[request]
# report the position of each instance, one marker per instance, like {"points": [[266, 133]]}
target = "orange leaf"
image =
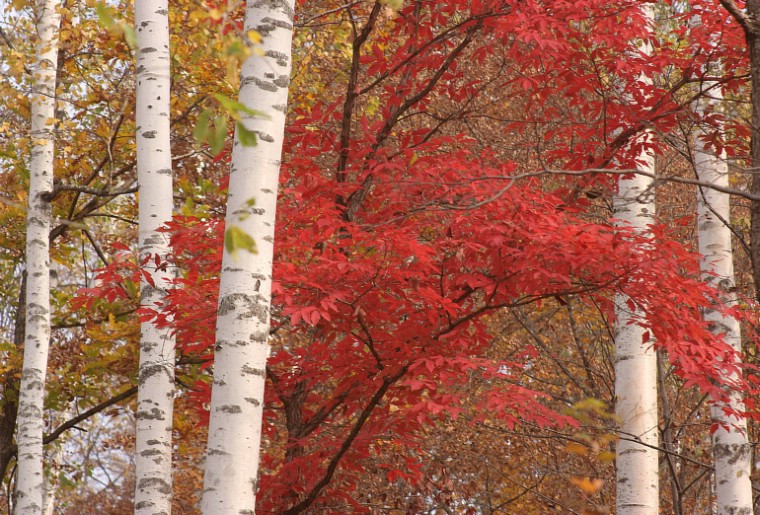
{"points": [[587, 485]]}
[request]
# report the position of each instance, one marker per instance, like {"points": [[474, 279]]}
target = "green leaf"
{"points": [[236, 239], [218, 135], [234, 107], [246, 137], [130, 36], [105, 16], [201, 126], [236, 48], [64, 481]]}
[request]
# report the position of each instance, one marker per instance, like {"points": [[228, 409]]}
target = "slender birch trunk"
{"points": [[635, 369], [747, 18], [51, 482], [54, 464], [637, 459], [731, 449], [155, 397], [30, 489], [242, 328]]}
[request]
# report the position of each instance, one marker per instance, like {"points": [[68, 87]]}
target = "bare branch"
{"points": [[98, 192]]}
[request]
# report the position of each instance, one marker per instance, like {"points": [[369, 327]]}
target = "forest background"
{"points": [[447, 263]]}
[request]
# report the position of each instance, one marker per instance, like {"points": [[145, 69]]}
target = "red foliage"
{"points": [[395, 240]]}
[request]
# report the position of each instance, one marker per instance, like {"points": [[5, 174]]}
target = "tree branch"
{"points": [[87, 414], [98, 192], [53, 436], [738, 15], [346, 445]]}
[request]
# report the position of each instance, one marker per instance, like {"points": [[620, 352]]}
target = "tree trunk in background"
{"points": [[54, 459], [752, 33], [237, 399], [731, 448], [732, 453], [30, 489], [9, 390], [637, 460], [155, 398]]}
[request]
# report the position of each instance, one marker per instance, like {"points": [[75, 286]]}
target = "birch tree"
{"points": [[30, 487], [242, 330], [635, 368], [635, 360], [155, 398], [747, 18], [731, 449]]}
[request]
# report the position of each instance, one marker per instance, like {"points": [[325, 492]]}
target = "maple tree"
{"points": [[440, 173], [326, 305]]}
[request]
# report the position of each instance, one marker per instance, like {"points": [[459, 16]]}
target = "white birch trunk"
{"points": [[635, 370], [242, 330], [731, 449], [637, 460], [30, 489], [155, 397]]}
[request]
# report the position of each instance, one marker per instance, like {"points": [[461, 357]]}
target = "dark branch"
{"points": [[53, 436], [738, 15], [346, 445], [87, 414]]}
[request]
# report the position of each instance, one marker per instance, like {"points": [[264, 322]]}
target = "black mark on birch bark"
{"points": [[252, 371], [230, 408]]}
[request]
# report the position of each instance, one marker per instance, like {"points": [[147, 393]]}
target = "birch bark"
{"points": [[155, 397], [635, 369], [241, 350], [30, 490], [731, 449], [636, 361]]}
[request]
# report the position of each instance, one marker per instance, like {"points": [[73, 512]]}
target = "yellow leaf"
{"points": [[197, 15], [576, 448], [254, 37]]}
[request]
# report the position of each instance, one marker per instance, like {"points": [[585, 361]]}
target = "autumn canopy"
{"points": [[379, 257]]}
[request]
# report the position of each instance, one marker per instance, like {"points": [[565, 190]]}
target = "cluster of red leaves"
{"points": [[388, 263], [397, 305]]}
